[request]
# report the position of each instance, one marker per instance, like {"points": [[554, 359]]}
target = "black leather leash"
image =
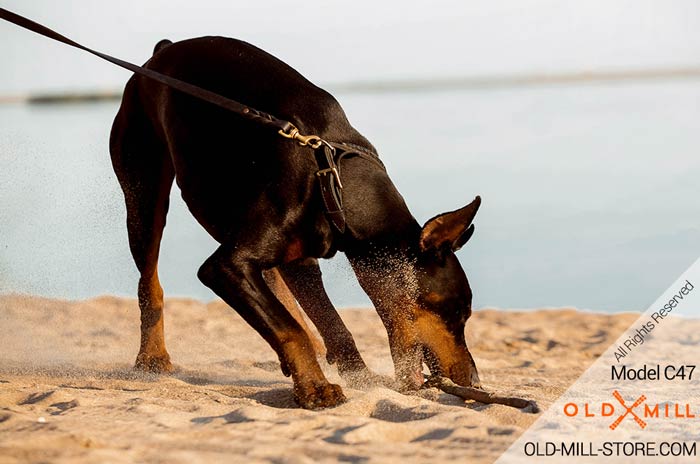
{"points": [[182, 86], [325, 152]]}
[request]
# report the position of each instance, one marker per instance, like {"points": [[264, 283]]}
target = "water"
{"points": [[590, 194]]}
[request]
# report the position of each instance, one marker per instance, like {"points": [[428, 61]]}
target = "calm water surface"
{"points": [[590, 194]]}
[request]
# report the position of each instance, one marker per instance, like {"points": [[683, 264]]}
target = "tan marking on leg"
{"points": [[279, 288], [404, 345], [153, 356], [295, 250]]}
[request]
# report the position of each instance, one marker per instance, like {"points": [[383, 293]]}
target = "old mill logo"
{"points": [[639, 410]]}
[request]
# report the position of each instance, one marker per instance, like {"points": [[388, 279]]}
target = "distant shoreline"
{"points": [[415, 84], [350, 307]]}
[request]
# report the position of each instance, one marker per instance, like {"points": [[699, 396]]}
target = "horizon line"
{"points": [[415, 85]]}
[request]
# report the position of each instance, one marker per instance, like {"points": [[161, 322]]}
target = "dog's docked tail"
{"points": [[161, 45]]}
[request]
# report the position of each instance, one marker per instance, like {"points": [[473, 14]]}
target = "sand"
{"points": [[68, 394]]}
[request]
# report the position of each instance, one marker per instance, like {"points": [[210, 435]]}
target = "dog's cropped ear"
{"points": [[450, 230]]}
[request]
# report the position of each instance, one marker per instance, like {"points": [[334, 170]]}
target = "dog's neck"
{"points": [[380, 228]]}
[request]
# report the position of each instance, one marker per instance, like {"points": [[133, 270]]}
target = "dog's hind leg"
{"points": [[304, 280], [146, 175]]}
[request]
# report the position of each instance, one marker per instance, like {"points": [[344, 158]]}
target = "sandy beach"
{"points": [[68, 394]]}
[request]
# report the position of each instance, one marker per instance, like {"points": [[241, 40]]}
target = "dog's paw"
{"points": [[409, 381], [318, 396], [154, 364]]}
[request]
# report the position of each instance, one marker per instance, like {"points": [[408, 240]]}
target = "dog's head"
{"points": [[423, 296], [443, 297]]}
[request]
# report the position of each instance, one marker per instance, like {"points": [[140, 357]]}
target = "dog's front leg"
{"points": [[279, 287], [406, 350], [304, 279], [388, 292], [236, 277]]}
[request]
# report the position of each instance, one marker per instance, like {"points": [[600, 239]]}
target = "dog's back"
{"points": [[224, 163]]}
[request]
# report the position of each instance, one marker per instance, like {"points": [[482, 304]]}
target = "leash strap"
{"points": [[328, 157], [349, 149], [331, 187], [193, 90]]}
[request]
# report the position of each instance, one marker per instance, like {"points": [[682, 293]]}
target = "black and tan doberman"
{"points": [[256, 194]]}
